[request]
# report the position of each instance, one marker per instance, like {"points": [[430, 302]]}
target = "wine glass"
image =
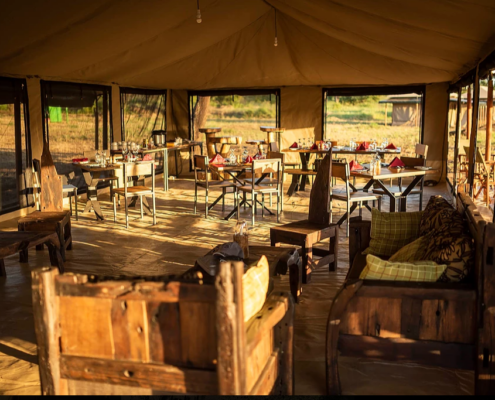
{"points": [[135, 150], [124, 151], [300, 145], [97, 157]]}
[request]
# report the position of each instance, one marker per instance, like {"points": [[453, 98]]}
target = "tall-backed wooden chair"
{"points": [[444, 324], [316, 228], [484, 176], [51, 217], [153, 335]]}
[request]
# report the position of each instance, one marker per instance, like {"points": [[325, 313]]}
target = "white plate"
{"points": [[293, 149], [423, 168]]}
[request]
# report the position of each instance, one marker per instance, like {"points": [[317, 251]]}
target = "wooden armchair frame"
{"points": [[444, 324], [155, 335]]}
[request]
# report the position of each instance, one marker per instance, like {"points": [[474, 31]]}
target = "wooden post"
{"points": [[489, 111], [47, 327], [457, 138], [474, 129], [468, 113], [226, 326], [386, 111], [417, 114]]}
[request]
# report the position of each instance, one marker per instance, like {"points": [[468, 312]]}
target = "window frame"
{"points": [[22, 102], [370, 91], [129, 90]]}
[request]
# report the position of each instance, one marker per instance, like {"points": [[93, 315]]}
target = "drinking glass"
{"points": [[300, 145], [97, 157]]}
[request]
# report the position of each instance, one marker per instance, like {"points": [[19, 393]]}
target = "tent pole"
{"points": [[469, 112], [489, 111], [474, 128], [386, 107]]}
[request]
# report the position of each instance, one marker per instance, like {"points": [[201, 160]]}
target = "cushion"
{"points": [[414, 251], [419, 271], [392, 231], [439, 212], [254, 288], [455, 249]]}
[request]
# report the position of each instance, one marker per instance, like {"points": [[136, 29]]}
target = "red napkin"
{"points": [[314, 147], [218, 159], [147, 157], [293, 146], [361, 147], [249, 160], [396, 162], [355, 166], [391, 146], [75, 160]]}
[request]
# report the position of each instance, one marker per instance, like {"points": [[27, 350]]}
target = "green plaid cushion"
{"points": [[414, 251], [419, 271], [392, 231]]}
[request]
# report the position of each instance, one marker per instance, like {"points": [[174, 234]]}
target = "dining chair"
{"points": [[421, 151], [138, 170], [352, 198], [71, 191], [265, 168], [201, 179], [484, 175]]}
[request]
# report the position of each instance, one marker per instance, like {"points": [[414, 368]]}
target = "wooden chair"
{"points": [[71, 191], [153, 335], [449, 325], [272, 180], [410, 162], [51, 216], [316, 228], [264, 168], [463, 165], [352, 198], [202, 170], [135, 170]]}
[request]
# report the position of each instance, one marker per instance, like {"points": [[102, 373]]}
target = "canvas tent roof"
{"points": [[158, 44]]}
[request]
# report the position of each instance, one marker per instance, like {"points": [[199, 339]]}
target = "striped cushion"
{"points": [[392, 231], [419, 271]]}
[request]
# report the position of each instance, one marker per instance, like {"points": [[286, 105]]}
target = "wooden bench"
{"points": [[158, 335], [450, 325], [19, 242]]}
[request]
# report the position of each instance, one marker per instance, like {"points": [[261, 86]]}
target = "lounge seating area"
{"points": [[217, 198]]}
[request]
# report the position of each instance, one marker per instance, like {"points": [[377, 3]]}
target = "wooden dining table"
{"points": [[387, 174], [235, 171], [92, 176]]}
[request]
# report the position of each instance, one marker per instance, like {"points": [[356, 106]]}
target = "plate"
{"points": [[294, 149], [423, 168]]}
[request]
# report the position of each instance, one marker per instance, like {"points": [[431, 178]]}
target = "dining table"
{"points": [[306, 153], [235, 171], [376, 179], [92, 174], [165, 150]]}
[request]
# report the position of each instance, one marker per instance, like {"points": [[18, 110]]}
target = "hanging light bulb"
{"points": [[276, 38], [198, 15]]}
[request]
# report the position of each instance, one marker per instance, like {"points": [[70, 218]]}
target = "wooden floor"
{"points": [[172, 246]]}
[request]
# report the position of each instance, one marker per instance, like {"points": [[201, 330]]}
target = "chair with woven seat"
{"points": [[484, 175], [201, 179], [409, 162], [135, 170], [353, 198], [316, 228]]}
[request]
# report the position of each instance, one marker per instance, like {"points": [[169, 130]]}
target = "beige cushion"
{"points": [[418, 271], [392, 231], [254, 287]]}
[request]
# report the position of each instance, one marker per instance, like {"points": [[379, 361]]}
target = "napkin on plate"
{"points": [[361, 147], [249, 160], [293, 146], [355, 166], [76, 160], [396, 162], [314, 147], [218, 159], [391, 146]]}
